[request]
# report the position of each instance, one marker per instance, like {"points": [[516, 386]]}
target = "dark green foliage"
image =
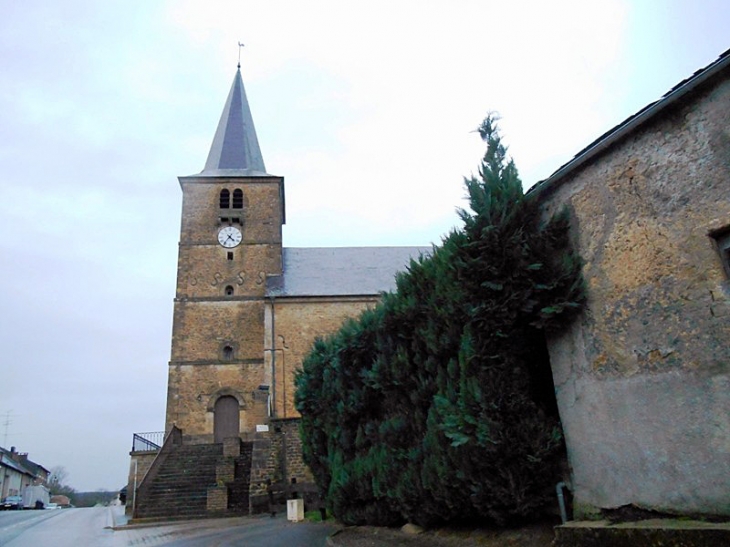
{"points": [[438, 405]]}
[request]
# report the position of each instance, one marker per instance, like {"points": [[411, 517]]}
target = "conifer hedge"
{"points": [[437, 405]]}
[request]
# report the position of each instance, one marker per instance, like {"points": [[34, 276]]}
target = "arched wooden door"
{"points": [[225, 418]]}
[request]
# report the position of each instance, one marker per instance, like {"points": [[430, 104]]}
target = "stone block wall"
{"points": [[232, 447], [264, 466], [139, 464], [277, 456], [218, 320], [291, 450], [224, 471], [205, 271], [203, 329], [643, 376], [296, 323], [191, 388], [261, 215], [217, 500]]}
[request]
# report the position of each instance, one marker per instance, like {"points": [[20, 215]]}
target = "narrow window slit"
{"points": [[722, 244]]}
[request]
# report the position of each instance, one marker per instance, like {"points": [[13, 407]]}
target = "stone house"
{"points": [[643, 376]]}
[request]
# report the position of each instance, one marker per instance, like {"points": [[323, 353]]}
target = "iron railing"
{"points": [[142, 442]]}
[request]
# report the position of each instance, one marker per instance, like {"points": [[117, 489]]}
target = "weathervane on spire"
{"points": [[240, 45]]}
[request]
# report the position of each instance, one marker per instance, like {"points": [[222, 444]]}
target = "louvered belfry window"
{"points": [[225, 199], [238, 198]]}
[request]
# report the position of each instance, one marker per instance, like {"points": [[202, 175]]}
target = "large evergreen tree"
{"points": [[438, 404]]}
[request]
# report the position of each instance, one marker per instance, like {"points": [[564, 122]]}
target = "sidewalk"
{"points": [[115, 516]]}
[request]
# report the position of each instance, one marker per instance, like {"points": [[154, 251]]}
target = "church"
{"points": [[246, 311], [641, 377]]}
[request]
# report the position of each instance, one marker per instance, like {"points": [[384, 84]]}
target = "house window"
{"points": [[229, 290], [238, 198], [228, 353], [722, 242], [225, 199]]}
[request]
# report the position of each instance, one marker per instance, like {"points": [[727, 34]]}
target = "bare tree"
{"points": [[57, 482]]}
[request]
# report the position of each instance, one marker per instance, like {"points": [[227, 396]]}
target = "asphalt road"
{"points": [[93, 528]]}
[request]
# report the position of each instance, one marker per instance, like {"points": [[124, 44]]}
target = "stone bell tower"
{"points": [[230, 242]]}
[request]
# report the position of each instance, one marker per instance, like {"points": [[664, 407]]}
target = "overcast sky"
{"points": [[366, 108]]}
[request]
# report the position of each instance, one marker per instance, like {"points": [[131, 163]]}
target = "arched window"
{"points": [[225, 200], [229, 290], [228, 353], [238, 198]]}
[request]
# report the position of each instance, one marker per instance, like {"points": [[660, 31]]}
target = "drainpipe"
{"points": [[134, 491], [273, 357], [283, 377], [561, 501]]}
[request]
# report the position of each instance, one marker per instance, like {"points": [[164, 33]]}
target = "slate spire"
{"points": [[235, 150]]}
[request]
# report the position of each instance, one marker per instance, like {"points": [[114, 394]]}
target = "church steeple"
{"points": [[235, 150]]}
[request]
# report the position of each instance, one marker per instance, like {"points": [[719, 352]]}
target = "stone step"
{"points": [[177, 492], [181, 484], [176, 512], [199, 473]]}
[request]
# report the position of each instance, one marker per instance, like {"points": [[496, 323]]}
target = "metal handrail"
{"points": [[142, 442]]}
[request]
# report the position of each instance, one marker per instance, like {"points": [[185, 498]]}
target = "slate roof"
{"points": [[340, 271], [235, 150], [36, 468], [26, 467], [7, 461], [631, 123]]}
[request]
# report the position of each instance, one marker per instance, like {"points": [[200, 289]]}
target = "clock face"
{"points": [[229, 237]]}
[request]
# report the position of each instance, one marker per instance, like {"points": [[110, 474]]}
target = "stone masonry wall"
{"points": [[297, 322], [203, 329], [261, 213], [139, 464], [291, 449], [193, 387], [643, 377], [218, 321], [277, 456]]}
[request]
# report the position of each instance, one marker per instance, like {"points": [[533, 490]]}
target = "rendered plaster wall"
{"points": [[643, 376], [297, 322]]}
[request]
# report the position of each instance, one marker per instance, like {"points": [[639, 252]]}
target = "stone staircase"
{"points": [[180, 487]]}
